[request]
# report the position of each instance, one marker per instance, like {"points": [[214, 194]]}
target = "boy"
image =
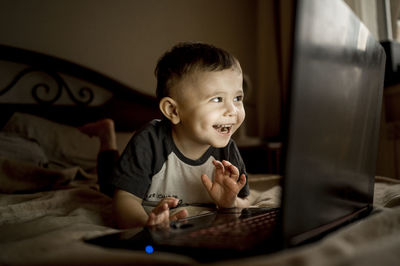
{"points": [[188, 157]]}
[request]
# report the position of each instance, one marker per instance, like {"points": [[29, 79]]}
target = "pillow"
{"points": [[18, 176], [13, 146], [65, 146]]}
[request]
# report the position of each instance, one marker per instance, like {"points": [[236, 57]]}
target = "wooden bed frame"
{"points": [[46, 88]]}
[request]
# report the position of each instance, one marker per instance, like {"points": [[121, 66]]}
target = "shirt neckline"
{"points": [[185, 159]]}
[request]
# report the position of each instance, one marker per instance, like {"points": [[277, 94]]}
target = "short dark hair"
{"points": [[186, 57]]}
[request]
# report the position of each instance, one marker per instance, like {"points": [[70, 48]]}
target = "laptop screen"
{"points": [[333, 119]]}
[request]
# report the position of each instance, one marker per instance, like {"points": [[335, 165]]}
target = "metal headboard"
{"points": [[67, 92]]}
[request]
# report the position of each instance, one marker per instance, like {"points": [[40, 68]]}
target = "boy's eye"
{"points": [[238, 98], [217, 99]]}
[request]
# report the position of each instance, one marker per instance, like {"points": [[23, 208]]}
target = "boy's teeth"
{"points": [[223, 128]]}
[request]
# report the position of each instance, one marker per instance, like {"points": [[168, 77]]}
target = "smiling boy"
{"points": [[189, 156]]}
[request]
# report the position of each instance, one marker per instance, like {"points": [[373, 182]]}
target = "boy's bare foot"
{"points": [[105, 130]]}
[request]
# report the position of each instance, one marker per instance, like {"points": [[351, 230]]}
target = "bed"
{"points": [[49, 197]]}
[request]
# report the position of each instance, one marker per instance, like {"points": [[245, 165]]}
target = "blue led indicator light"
{"points": [[149, 249]]}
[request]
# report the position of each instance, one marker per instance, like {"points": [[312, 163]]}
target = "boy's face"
{"points": [[210, 107]]}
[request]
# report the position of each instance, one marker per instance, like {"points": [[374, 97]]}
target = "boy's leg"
{"points": [[108, 154], [105, 164], [105, 130]]}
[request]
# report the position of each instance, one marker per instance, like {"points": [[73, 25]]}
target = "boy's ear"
{"points": [[169, 107]]}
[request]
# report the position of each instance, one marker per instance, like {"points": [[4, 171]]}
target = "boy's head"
{"points": [[200, 89], [188, 57]]}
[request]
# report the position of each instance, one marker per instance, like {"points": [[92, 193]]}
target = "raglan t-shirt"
{"points": [[152, 168]]}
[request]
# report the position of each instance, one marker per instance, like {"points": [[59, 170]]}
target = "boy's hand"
{"points": [[226, 185], [160, 214]]}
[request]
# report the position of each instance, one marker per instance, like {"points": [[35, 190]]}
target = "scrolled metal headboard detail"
{"points": [[85, 94], [63, 91]]}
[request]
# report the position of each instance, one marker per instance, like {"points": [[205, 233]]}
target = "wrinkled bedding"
{"points": [[46, 213], [45, 226]]}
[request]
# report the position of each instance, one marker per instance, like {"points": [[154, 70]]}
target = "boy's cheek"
{"points": [[242, 112], [242, 116]]}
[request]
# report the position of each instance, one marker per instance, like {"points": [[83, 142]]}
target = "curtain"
{"points": [[273, 49]]}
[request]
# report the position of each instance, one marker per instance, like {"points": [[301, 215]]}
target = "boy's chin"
{"points": [[220, 144]]}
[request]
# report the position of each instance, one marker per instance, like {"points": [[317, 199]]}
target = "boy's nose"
{"points": [[230, 109]]}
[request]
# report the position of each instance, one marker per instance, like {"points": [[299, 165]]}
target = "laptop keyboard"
{"points": [[230, 235]]}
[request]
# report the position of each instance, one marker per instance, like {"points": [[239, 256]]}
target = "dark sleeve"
{"points": [[133, 170], [235, 158]]}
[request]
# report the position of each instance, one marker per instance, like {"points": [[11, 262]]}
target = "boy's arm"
{"points": [[129, 212]]}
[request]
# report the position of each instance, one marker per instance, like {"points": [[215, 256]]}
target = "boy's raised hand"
{"points": [[160, 214], [226, 185]]}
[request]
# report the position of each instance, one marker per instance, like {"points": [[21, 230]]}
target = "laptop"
{"points": [[332, 122]]}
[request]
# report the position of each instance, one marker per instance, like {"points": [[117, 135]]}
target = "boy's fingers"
{"points": [[180, 215], [229, 183], [219, 167], [226, 163], [163, 206], [152, 220], [242, 181], [234, 172], [171, 202], [159, 215], [152, 216], [206, 181], [234, 185]]}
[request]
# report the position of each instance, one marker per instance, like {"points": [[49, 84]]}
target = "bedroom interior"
{"points": [[64, 63]]}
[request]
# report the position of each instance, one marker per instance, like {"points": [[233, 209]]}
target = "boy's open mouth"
{"points": [[224, 129]]}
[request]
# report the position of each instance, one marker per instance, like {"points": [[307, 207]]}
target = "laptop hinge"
{"points": [[327, 228]]}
